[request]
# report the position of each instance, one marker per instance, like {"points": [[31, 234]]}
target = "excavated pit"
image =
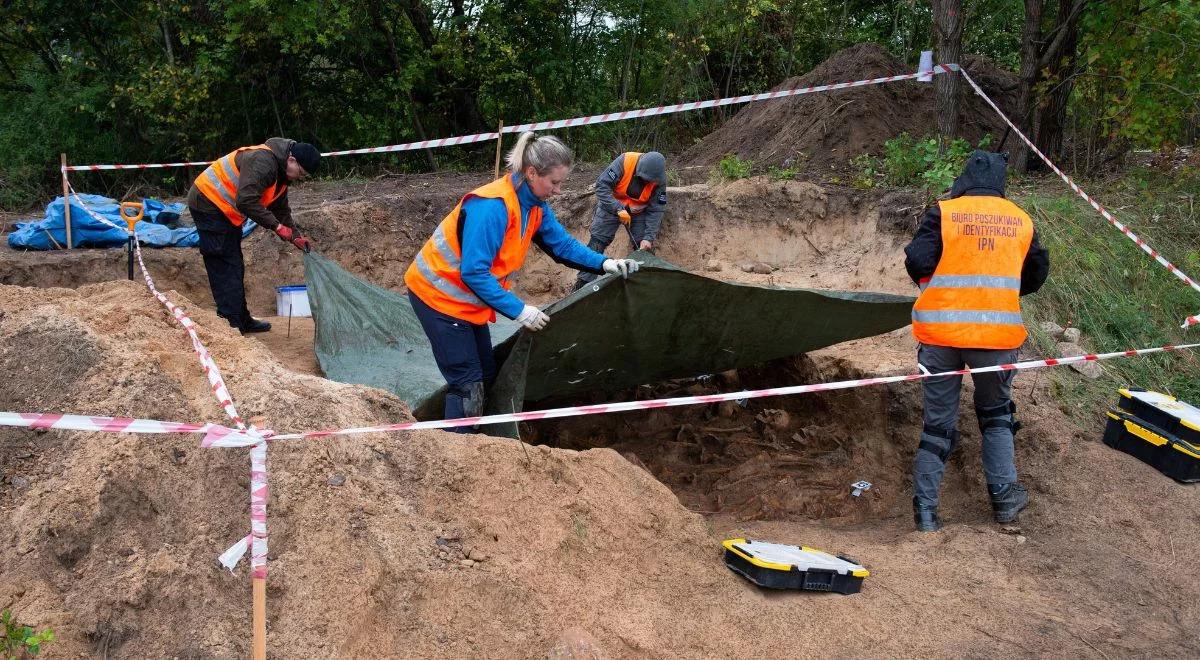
{"points": [[788, 457], [761, 459]]}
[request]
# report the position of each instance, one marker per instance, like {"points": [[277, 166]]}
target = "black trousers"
{"points": [[221, 247]]}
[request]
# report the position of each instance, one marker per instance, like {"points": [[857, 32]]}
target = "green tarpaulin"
{"points": [[661, 323]]}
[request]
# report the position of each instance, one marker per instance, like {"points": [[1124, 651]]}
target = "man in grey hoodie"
{"points": [[631, 192], [250, 182]]}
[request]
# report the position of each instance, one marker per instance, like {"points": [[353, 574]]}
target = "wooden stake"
{"points": [[66, 201], [258, 643], [258, 650], [499, 142]]}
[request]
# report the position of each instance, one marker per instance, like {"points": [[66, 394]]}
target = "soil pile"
{"points": [[433, 545], [819, 133], [430, 544]]}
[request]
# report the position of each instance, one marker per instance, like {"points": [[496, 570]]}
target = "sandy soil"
{"points": [[602, 534]]}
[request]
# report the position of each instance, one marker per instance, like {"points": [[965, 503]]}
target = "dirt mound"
{"points": [[821, 132], [434, 545]]}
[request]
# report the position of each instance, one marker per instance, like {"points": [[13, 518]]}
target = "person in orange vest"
{"points": [[632, 193], [974, 255], [463, 274], [250, 182]]}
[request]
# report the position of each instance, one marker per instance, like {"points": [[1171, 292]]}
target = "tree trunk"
{"points": [[398, 68], [1030, 35], [633, 38], [166, 33], [947, 28], [460, 91], [1053, 53], [1052, 112]]}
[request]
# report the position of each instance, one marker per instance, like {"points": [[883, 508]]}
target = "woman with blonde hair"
{"points": [[460, 278]]}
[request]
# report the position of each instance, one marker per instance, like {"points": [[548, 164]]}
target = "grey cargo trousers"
{"points": [[993, 406], [603, 230]]}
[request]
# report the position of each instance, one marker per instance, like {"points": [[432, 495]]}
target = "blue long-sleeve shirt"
{"points": [[483, 233]]}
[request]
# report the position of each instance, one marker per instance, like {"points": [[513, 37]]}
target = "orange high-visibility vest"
{"points": [[973, 299], [621, 191], [434, 275], [219, 184]]}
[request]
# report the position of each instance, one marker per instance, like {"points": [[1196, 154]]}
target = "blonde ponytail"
{"points": [[542, 152]]}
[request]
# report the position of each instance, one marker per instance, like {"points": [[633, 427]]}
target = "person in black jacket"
{"points": [[972, 273], [251, 182]]}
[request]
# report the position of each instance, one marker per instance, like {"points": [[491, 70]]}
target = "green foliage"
{"points": [[1111, 290], [1141, 78], [22, 641], [732, 168], [782, 173], [176, 79], [869, 171], [909, 161]]}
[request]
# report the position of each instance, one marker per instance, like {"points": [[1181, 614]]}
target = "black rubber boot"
{"points": [[1007, 501], [926, 517], [255, 325]]}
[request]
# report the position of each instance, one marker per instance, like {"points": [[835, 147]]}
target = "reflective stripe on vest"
{"points": [[444, 286], [963, 316], [219, 184], [435, 273], [621, 191], [973, 282], [973, 298]]}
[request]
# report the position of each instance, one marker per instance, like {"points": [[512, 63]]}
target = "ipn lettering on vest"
{"points": [[986, 226]]}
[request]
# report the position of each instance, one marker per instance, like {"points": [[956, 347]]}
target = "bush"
{"points": [[909, 161], [782, 173], [21, 641], [732, 168]]}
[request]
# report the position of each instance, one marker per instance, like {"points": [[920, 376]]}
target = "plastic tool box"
{"points": [[777, 566], [1158, 429]]}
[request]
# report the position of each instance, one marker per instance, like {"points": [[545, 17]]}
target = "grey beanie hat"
{"points": [[651, 166]]}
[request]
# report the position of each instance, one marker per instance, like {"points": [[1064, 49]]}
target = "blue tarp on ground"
{"points": [[86, 231]]}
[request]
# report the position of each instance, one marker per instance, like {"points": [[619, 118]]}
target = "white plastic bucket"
{"points": [[292, 300]]}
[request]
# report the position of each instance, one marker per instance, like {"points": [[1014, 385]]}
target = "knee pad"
{"points": [[1001, 416], [473, 401], [938, 450]]}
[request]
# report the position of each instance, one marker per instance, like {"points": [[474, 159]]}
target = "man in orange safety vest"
{"points": [[250, 182], [631, 193], [974, 255]]}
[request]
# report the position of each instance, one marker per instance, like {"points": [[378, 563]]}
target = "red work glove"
{"points": [[301, 242]]}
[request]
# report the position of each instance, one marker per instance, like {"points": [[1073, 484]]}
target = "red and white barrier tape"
{"points": [[143, 166], [257, 539], [565, 123], [222, 436], [1174, 270], [216, 381], [697, 105], [237, 440], [107, 424]]}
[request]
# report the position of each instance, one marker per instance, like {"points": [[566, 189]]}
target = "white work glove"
{"points": [[622, 267], [533, 318]]}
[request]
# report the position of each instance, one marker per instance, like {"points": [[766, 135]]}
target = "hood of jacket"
{"points": [[983, 174]]}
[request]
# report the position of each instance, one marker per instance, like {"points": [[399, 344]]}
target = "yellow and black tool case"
{"points": [[1159, 430], [777, 566]]}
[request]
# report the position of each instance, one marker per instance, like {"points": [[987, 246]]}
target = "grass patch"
{"points": [[1103, 284]]}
